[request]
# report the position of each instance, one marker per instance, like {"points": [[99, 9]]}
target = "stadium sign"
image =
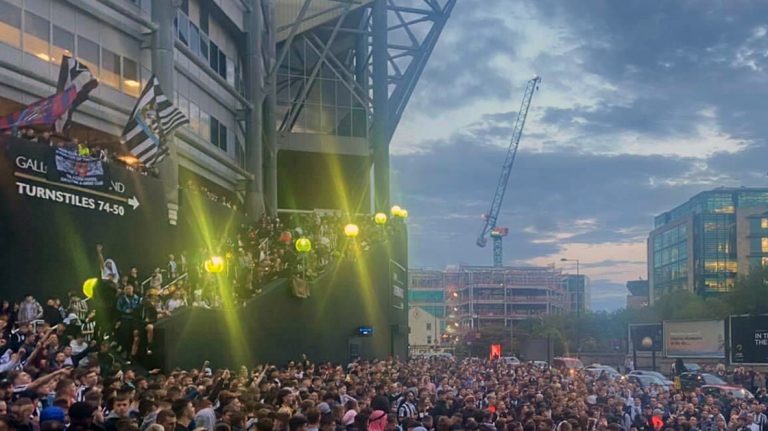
{"points": [[64, 177]]}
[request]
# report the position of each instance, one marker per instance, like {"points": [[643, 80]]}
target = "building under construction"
{"points": [[481, 296]]}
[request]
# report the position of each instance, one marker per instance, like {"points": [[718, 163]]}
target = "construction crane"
{"points": [[490, 218]]}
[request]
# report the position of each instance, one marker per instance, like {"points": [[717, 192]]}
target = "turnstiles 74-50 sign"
{"points": [[66, 178]]}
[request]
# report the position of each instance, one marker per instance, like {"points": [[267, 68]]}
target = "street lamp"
{"points": [[303, 246], [579, 297]]}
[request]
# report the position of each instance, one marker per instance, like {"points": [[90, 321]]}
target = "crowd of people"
{"points": [[85, 391]]}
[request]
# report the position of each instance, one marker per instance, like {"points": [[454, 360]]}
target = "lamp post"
{"points": [[303, 246], [579, 295]]}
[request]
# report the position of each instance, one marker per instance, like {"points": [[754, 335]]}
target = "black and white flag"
{"points": [[72, 72], [153, 118]]}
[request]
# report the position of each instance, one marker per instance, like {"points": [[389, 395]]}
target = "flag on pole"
{"points": [[72, 72], [153, 118], [44, 111]]}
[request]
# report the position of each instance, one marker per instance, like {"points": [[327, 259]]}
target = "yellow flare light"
{"points": [[303, 245], [88, 287], [351, 230], [214, 265]]}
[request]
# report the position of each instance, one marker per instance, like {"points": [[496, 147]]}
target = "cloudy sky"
{"points": [[643, 103]]}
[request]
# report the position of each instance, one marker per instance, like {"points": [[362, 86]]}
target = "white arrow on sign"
{"points": [[133, 202]]}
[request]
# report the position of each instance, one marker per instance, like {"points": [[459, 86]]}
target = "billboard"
{"points": [[748, 340], [694, 339], [646, 337]]}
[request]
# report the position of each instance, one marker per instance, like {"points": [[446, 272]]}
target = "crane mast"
{"points": [[489, 225]]}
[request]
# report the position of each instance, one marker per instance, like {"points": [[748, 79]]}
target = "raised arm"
{"points": [[99, 249]]}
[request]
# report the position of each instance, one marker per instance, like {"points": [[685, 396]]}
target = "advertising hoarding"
{"points": [[694, 339]]}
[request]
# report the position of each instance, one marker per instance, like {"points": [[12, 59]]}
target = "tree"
{"points": [[750, 294]]}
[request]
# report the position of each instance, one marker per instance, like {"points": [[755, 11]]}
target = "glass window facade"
{"points": [[715, 249], [10, 24], [50, 42], [670, 259], [88, 54], [37, 37], [328, 104], [63, 43], [713, 241], [110, 68]]}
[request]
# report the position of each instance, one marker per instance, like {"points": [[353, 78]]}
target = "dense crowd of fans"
{"points": [[47, 387], [126, 306]]}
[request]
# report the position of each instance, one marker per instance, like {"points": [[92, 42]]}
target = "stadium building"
{"points": [[292, 105], [271, 87]]}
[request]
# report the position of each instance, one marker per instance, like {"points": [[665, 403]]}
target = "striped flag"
{"points": [[72, 72], [153, 118]]}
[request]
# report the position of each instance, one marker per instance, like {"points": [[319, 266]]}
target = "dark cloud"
{"points": [[658, 69], [448, 189], [462, 69]]}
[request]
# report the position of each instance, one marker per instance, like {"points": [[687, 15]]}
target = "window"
{"points": [[183, 103], [764, 245], [204, 46], [230, 72], [194, 117], [88, 54], [10, 24], [214, 53], [222, 64], [185, 6], [429, 326], [764, 262], [429, 339], [183, 24], [38, 35], [131, 81], [194, 39], [63, 44], [110, 68], [205, 125], [223, 137], [204, 17], [214, 136], [764, 223]]}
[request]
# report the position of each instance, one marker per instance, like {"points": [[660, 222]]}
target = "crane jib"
{"points": [[501, 188]]}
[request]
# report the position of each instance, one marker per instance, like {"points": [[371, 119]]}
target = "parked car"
{"points": [[647, 381], [691, 380], [567, 364], [542, 365], [510, 360], [652, 373], [599, 370], [721, 391]]}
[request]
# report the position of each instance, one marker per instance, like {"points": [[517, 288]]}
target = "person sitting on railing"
{"points": [[156, 282], [172, 267], [177, 301]]}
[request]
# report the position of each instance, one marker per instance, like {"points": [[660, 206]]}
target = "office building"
{"points": [[706, 243], [578, 293]]}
